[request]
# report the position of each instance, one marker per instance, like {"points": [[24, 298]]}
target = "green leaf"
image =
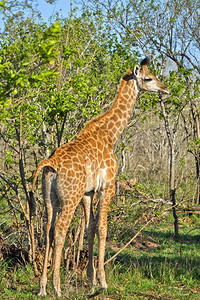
{"points": [[2, 4]]}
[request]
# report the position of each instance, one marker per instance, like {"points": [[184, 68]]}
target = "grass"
{"points": [[171, 270]]}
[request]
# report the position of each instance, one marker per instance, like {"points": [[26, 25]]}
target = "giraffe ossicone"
{"points": [[80, 168]]}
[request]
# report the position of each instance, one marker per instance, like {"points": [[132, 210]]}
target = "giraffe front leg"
{"points": [[102, 242], [102, 232], [91, 228]]}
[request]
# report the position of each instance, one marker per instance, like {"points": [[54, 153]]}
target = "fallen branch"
{"points": [[99, 291], [134, 237]]}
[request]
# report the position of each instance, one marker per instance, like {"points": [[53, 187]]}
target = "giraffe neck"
{"points": [[116, 118]]}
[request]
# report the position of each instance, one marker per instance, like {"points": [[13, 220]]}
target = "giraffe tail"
{"points": [[32, 203]]}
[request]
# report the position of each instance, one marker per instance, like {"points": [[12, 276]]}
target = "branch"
{"points": [[133, 238], [14, 187], [167, 126]]}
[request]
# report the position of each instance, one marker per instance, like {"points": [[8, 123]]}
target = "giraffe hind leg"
{"points": [[51, 203], [61, 228], [64, 187]]}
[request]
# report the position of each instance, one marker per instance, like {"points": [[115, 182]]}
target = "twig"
{"points": [[111, 258]]}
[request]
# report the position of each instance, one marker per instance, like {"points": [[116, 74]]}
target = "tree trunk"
{"points": [[197, 161], [45, 139], [172, 188], [196, 137], [171, 138], [30, 208]]}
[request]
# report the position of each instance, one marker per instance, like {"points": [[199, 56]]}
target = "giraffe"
{"points": [[84, 166]]}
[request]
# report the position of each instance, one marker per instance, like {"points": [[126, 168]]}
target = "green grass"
{"points": [[169, 271], [17, 284]]}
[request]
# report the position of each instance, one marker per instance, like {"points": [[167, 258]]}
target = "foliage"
{"points": [[53, 79]]}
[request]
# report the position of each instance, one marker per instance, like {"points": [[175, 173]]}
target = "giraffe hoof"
{"points": [[104, 286], [42, 294], [57, 293]]}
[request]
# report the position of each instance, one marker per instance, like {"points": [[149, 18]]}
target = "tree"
{"points": [[53, 79]]}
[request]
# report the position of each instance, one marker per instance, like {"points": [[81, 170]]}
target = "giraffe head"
{"points": [[146, 81]]}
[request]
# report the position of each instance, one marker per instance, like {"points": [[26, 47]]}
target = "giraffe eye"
{"points": [[147, 79]]}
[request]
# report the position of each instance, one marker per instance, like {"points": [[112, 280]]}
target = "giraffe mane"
{"points": [[119, 91]]}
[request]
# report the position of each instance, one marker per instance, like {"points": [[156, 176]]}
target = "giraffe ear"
{"points": [[136, 71]]}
